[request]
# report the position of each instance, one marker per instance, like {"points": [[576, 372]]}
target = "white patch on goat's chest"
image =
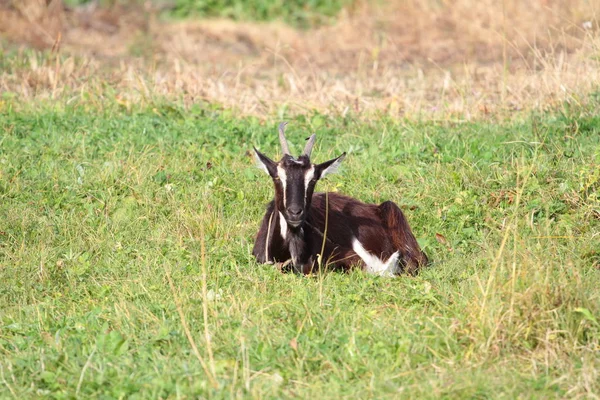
{"points": [[283, 179], [374, 264], [268, 238], [282, 226]]}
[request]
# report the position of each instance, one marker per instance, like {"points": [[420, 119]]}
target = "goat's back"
{"points": [[349, 218], [381, 229]]}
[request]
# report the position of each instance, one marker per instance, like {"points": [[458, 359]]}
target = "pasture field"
{"points": [[126, 267], [129, 197]]}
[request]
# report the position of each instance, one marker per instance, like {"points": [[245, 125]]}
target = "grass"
{"points": [[429, 59], [129, 202], [126, 267], [298, 13]]}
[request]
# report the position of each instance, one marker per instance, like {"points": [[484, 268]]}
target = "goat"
{"points": [[307, 229]]}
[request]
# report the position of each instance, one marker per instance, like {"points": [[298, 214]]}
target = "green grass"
{"points": [[100, 207], [298, 13]]}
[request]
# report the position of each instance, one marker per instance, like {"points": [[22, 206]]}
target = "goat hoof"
{"points": [[284, 266]]}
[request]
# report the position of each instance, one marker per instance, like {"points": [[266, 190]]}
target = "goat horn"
{"points": [[309, 145], [284, 143]]}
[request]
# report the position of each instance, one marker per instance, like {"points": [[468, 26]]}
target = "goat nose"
{"points": [[294, 211]]}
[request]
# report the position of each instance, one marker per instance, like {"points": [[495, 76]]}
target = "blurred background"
{"points": [[450, 59]]}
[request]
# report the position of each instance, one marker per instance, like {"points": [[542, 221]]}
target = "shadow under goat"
{"points": [[302, 230]]}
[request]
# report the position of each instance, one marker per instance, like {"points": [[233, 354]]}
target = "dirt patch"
{"points": [[463, 57]]}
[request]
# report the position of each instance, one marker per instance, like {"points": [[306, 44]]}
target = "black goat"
{"points": [[309, 230]]}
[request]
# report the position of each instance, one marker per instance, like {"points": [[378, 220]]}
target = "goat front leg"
{"points": [[285, 266], [300, 268], [288, 266]]}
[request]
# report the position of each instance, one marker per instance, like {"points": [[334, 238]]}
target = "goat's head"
{"points": [[295, 178]]}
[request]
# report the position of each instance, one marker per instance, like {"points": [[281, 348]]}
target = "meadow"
{"points": [[129, 200], [127, 269]]}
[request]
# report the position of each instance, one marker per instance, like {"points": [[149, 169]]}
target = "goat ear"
{"points": [[329, 167], [265, 163]]}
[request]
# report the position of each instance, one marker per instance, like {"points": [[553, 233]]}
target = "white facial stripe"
{"points": [[308, 175], [283, 178], [374, 264], [282, 226]]}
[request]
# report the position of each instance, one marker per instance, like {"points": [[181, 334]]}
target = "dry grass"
{"points": [[462, 60]]}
